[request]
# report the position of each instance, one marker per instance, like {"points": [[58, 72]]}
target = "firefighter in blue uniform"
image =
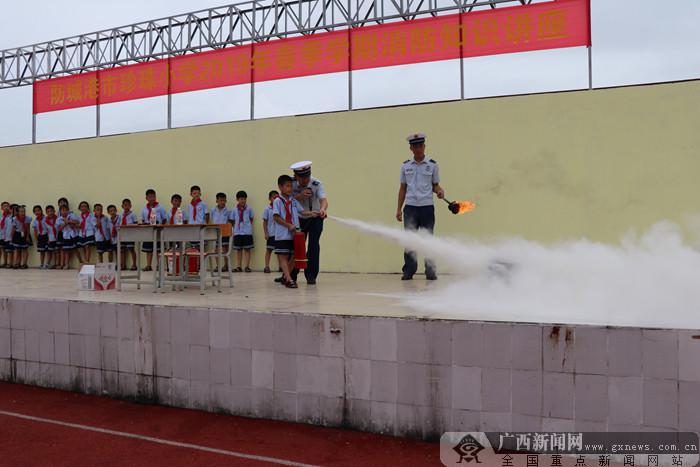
{"points": [[420, 178], [310, 192]]}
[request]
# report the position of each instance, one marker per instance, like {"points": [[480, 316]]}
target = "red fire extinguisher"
{"points": [[300, 260]]}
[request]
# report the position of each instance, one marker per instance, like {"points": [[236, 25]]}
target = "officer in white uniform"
{"points": [[420, 178], [309, 191]]}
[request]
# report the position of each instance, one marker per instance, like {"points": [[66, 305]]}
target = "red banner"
{"points": [[213, 69], [301, 56], [130, 82], [422, 40], [68, 92], [555, 24], [562, 23]]}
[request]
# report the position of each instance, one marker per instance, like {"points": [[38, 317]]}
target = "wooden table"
{"points": [[183, 233], [138, 234]]}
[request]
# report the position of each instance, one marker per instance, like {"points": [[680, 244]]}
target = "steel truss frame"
{"points": [[214, 28]]}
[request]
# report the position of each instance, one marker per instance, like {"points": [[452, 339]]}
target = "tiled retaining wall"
{"points": [[398, 376]]}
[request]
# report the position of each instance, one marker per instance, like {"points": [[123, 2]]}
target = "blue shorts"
{"points": [[103, 246], [68, 244], [85, 241], [42, 243], [242, 242], [284, 247]]}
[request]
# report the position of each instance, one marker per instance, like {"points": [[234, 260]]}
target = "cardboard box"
{"points": [[86, 277], [105, 276]]}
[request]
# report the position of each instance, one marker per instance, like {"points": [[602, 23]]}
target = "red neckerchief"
{"points": [[172, 215], [124, 214], [114, 226], [25, 227], [2, 222], [194, 210], [51, 222], [39, 223], [99, 225], [150, 208], [287, 210], [241, 211], [83, 221]]}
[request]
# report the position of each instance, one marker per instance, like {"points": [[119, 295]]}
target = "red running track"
{"points": [[74, 441]]}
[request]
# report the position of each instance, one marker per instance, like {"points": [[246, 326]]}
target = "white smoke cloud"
{"points": [[647, 280]]}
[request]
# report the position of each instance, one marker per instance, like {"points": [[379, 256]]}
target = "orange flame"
{"points": [[465, 206]]}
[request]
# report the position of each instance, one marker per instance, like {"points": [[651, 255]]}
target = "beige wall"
{"points": [[546, 167]]}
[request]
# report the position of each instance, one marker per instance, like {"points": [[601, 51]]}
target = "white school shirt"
{"points": [[170, 215], [267, 215], [200, 218], [6, 230], [88, 228], [51, 229], [113, 230], [220, 216], [130, 218], [161, 215], [39, 226], [69, 231], [20, 226], [106, 233], [242, 226], [282, 232]]}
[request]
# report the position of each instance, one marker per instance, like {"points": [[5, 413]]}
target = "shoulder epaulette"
{"points": [[315, 182], [406, 161], [433, 161]]}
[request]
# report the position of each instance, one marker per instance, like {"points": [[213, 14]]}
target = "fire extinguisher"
{"points": [[300, 261]]}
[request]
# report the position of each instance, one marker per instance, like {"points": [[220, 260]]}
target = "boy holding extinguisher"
{"points": [[285, 213]]}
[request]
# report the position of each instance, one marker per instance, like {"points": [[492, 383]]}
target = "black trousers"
{"points": [[417, 218], [312, 228]]}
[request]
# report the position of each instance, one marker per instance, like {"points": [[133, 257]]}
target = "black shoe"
{"points": [[311, 281], [431, 277], [280, 280], [406, 277]]}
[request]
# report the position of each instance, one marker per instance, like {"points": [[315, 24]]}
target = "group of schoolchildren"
{"points": [[63, 234]]}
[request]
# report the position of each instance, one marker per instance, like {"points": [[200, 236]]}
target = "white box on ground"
{"points": [[86, 277], [105, 276]]}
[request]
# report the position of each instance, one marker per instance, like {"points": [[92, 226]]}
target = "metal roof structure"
{"points": [[214, 28]]}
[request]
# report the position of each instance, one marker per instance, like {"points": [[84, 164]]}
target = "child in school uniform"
{"points": [[197, 211], [220, 214], [59, 240], [5, 241], [21, 237], [285, 213], [269, 229], [101, 226], [155, 210], [67, 224], [175, 204], [41, 232], [113, 232], [52, 231], [127, 217], [242, 217], [86, 233]]}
